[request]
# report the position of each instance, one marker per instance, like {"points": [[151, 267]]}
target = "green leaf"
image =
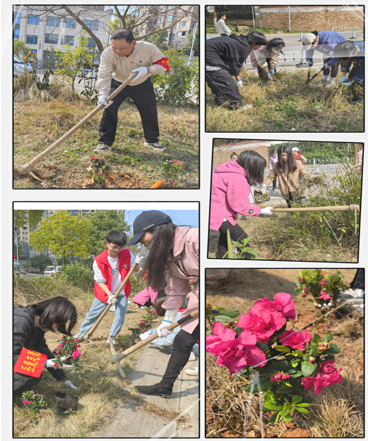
{"points": [[286, 418], [296, 399], [313, 352], [273, 417], [298, 374], [303, 405], [281, 348], [328, 337], [294, 364], [222, 318], [271, 406], [316, 338], [233, 313], [262, 346], [291, 371], [334, 349], [300, 409], [238, 330], [308, 369], [264, 383]]}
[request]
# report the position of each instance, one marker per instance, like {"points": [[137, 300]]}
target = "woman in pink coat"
{"points": [[231, 195], [173, 260]]}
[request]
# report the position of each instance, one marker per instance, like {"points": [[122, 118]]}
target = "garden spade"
{"points": [[91, 331], [30, 165]]}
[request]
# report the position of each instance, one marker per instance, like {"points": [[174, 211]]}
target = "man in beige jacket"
{"points": [[124, 56]]}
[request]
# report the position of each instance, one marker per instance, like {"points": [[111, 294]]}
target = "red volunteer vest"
{"points": [[105, 267], [298, 157]]}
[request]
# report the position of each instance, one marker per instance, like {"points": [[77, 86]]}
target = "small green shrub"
{"points": [[78, 274]]}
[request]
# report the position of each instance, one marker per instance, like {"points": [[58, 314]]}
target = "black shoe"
{"points": [[155, 389]]}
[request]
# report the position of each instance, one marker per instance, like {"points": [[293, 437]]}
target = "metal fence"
{"points": [[333, 160]]}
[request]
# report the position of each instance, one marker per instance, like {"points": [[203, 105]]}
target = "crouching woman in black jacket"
{"points": [[30, 324]]}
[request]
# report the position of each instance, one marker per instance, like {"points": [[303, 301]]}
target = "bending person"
{"points": [[224, 58], [266, 57], [288, 171], [174, 256], [351, 59], [231, 194], [30, 325], [324, 42]]}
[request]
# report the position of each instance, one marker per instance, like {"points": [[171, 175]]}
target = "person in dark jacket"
{"points": [[30, 325], [225, 57]]}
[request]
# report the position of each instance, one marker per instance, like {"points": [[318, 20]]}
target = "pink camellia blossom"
{"points": [[282, 303], [324, 296], [60, 346], [285, 376], [263, 324], [76, 354], [302, 279], [276, 378], [234, 353], [75, 339], [25, 402], [323, 346], [305, 293], [322, 282], [295, 340], [56, 365], [62, 337], [58, 351], [327, 367], [305, 288], [143, 323], [71, 409], [77, 346], [176, 163], [320, 381]]}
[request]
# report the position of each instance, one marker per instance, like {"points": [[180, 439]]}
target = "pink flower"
{"points": [[143, 323], [263, 324], [312, 359], [71, 409], [234, 353], [108, 172], [295, 340], [324, 296], [305, 288], [25, 402], [305, 293], [92, 159], [176, 163], [76, 354], [282, 303], [302, 279], [327, 367], [276, 378], [77, 346], [321, 381], [56, 365], [322, 282], [62, 337], [323, 346], [285, 376], [60, 346], [66, 342], [75, 339], [58, 351]]}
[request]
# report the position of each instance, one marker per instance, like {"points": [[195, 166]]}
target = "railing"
{"points": [[332, 160]]}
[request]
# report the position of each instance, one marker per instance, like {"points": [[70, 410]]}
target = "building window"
{"points": [[33, 19], [75, 212], [31, 39], [161, 19], [183, 24], [70, 23], [17, 17], [67, 39], [181, 34], [170, 18], [53, 21], [51, 38], [91, 43], [92, 24]]}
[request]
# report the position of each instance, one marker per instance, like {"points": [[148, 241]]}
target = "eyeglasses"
{"points": [[115, 248]]}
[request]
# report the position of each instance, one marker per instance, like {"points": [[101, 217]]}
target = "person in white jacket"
{"points": [[221, 27], [124, 56]]}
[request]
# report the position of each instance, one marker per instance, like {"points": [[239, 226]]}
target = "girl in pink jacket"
{"points": [[173, 260], [231, 195], [266, 57]]}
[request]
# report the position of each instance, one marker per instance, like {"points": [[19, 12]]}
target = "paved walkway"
{"points": [[156, 417]]}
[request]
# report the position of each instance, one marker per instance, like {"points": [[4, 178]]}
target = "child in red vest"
{"points": [[110, 268]]}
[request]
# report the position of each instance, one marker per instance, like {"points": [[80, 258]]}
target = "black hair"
{"points": [[159, 253], [159, 300], [342, 50], [315, 33], [254, 165], [275, 42], [222, 15], [234, 154], [274, 151], [117, 237], [257, 38], [291, 161], [123, 34], [56, 309]]}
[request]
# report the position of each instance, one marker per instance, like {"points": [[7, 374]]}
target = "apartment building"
{"points": [[43, 32], [177, 34]]}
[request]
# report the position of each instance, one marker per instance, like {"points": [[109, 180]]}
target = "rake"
{"points": [[314, 76], [30, 165]]}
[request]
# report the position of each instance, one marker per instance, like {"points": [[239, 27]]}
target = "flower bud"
{"points": [[322, 282], [312, 359], [305, 288]]}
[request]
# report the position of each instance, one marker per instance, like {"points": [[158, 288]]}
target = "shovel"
{"points": [[116, 358], [29, 166], [91, 331]]}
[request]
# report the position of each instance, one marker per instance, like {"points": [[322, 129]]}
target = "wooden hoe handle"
{"points": [[333, 208]]}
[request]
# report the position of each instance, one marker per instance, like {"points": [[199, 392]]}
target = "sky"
{"points": [[179, 217]]}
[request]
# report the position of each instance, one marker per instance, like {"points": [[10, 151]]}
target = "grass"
{"points": [[100, 387], [286, 106], [38, 124]]}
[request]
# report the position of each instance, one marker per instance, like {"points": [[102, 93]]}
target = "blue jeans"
{"points": [[96, 310], [224, 35]]}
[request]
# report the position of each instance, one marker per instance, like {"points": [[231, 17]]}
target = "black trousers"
{"points": [[144, 98], [261, 73], [183, 345], [224, 88], [236, 233], [289, 201], [274, 184]]}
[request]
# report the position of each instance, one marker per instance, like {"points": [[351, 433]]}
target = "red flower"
{"points": [[295, 340]]}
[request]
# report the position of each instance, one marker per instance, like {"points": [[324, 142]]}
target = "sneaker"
{"points": [[102, 149], [108, 341], [330, 83], [246, 107], [322, 83], [155, 146], [192, 371]]}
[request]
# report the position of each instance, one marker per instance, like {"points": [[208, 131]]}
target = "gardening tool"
{"points": [[117, 357], [157, 184], [91, 331], [314, 76], [352, 207], [29, 166]]}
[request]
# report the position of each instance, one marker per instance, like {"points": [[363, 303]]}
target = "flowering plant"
{"points": [[150, 315], [68, 347], [69, 412], [33, 402], [122, 340], [191, 284], [324, 289], [280, 362], [172, 170], [98, 170]]}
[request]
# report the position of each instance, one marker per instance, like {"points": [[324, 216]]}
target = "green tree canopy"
{"points": [[41, 261], [158, 39], [65, 235], [30, 216], [20, 48], [102, 222], [189, 40]]}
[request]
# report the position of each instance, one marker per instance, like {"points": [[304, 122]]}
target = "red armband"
{"points": [[30, 363], [164, 62]]}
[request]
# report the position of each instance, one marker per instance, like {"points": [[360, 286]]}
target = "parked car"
{"points": [[51, 270], [20, 67], [88, 73]]}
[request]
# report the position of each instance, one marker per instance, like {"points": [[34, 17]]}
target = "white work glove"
{"points": [[267, 211], [51, 364], [310, 62], [102, 100], [273, 71], [141, 72], [111, 300], [326, 66], [350, 83], [269, 76], [342, 79], [164, 332], [70, 384], [170, 315], [239, 83], [263, 188]]}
